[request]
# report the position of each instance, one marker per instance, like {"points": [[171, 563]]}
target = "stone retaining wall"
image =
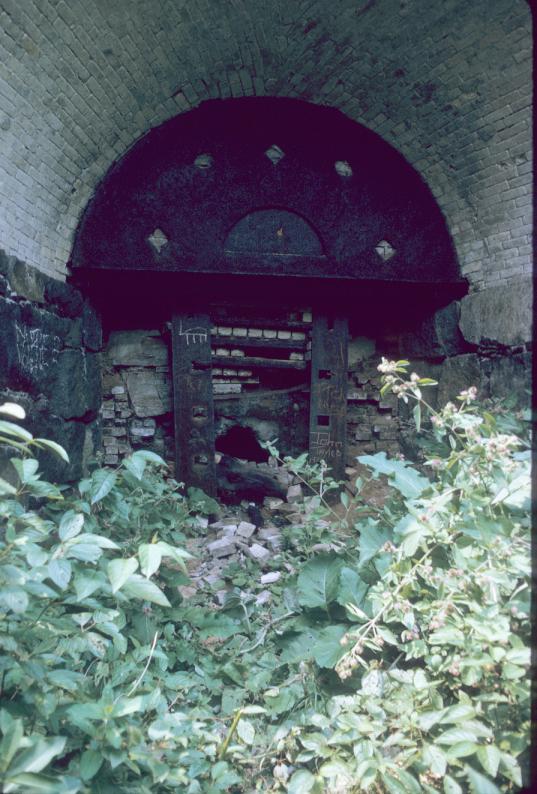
{"points": [[50, 339]]}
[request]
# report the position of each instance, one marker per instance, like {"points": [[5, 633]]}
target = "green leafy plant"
{"points": [[391, 656], [439, 651]]}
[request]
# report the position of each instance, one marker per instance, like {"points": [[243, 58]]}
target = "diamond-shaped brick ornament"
{"points": [[385, 250], [203, 161], [157, 240], [275, 154], [343, 168]]}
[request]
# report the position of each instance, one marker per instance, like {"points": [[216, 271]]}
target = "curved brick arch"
{"points": [[449, 87], [169, 203]]}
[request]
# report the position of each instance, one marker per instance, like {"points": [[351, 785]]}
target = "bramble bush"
{"points": [[393, 656]]}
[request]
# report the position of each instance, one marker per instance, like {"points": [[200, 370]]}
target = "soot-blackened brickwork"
{"points": [[376, 219]]}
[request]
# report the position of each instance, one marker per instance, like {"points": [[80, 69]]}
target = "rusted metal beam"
{"points": [[193, 401]]}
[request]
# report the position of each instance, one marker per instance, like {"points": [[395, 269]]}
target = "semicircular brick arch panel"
{"points": [[158, 211]]}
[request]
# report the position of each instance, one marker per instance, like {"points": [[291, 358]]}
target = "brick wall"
{"points": [[448, 84]]}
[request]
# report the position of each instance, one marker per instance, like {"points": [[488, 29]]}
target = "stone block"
{"points": [[459, 373], [363, 433], [511, 378], [142, 429], [294, 494], [270, 578], [435, 336], [259, 553], [92, 335], [272, 502], [245, 529], [502, 314], [223, 547], [25, 281], [149, 392], [76, 385], [65, 297], [137, 349]]}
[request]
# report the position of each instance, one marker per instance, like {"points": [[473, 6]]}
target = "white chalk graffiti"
{"points": [[196, 334], [323, 446], [37, 350]]}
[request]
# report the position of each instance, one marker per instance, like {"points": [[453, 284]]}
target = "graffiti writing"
{"points": [[195, 335], [322, 445], [36, 349]]}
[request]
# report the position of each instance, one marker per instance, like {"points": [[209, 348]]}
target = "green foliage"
{"points": [[393, 655]]}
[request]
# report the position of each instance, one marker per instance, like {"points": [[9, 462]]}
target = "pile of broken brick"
{"points": [[242, 532]]}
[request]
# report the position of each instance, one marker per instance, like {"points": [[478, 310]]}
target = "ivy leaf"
{"points": [[402, 476], [12, 409], [38, 756], [90, 763], [150, 555], [10, 743], [451, 786], [14, 598], [448, 635], [318, 582], [455, 735], [327, 651], [511, 768], [70, 525], [139, 587], [120, 570], [352, 589], [66, 679], [26, 469], [435, 759], [6, 488], [60, 573], [489, 758], [301, 782], [177, 554], [479, 784], [57, 448], [461, 750], [417, 416], [246, 731], [371, 540], [86, 585], [427, 719], [102, 482], [459, 712], [13, 430]]}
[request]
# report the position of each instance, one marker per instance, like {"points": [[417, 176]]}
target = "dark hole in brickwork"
{"points": [[323, 420], [241, 442], [324, 374]]}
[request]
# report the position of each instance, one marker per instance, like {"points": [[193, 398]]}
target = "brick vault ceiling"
{"points": [[447, 83]]}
